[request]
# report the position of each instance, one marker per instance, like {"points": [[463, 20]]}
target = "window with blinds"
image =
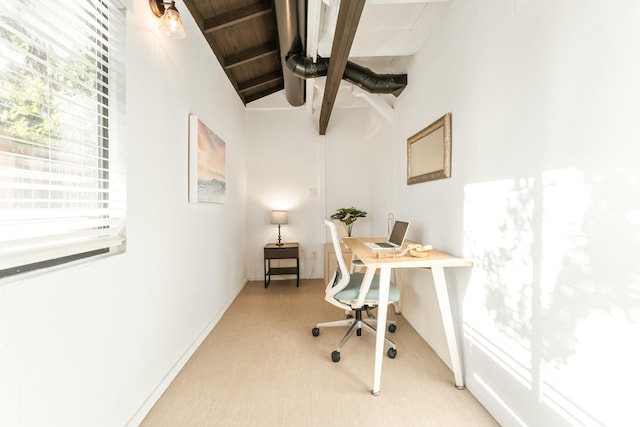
{"points": [[62, 174]]}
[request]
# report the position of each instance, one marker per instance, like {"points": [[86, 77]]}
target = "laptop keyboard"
{"points": [[384, 244]]}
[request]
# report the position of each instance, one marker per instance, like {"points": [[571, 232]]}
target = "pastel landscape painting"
{"points": [[211, 159]]}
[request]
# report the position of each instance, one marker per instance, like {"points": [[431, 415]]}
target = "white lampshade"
{"points": [[279, 217]]}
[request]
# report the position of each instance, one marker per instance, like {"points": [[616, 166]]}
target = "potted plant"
{"points": [[348, 216]]}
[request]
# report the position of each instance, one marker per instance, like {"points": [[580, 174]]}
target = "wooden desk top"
{"points": [[283, 246], [370, 257]]}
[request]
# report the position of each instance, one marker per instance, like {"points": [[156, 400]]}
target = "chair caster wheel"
{"points": [[391, 353], [335, 356], [315, 332], [392, 328], [359, 332]]}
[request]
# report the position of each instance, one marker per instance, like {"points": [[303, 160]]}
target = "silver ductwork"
{"points": [[304, 67], [360, 76], [372, 82], [296, 67], [292, 34]]}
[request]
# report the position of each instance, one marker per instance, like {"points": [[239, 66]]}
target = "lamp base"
{"points": [[279, 239]]}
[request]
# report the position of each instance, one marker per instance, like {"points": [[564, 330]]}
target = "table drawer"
{"points": [[274, 253]]}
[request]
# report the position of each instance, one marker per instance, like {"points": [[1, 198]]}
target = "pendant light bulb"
{"points": [[171, 22]]}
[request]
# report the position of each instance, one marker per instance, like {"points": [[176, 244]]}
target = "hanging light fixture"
{"points": [[170, 20]]}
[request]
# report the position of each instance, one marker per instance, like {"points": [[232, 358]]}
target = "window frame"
{"points": [[103, 232]]}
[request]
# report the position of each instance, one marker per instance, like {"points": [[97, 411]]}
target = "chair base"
{"points": [[357, 324]]}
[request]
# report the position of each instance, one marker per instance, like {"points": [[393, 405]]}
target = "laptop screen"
{"points": [[399, 232]]}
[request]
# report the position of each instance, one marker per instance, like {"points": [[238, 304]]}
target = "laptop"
{"points": [[396, 239]]}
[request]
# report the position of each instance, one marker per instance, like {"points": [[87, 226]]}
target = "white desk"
{"points": [[436, 261]]}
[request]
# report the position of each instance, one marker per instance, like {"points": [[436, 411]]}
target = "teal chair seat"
{"points": [[343, 291], [353, 289]]}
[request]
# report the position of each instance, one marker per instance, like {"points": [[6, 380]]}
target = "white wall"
{"points": [[359, 167], [544, 198], [290, 166], [284, 165], [95, 344]]}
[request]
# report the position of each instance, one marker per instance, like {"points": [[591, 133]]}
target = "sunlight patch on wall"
{"points": [[569, 377], [505, 352], [565, 200], [592, 377], [500, 401], [546, 303], [498, 239]]}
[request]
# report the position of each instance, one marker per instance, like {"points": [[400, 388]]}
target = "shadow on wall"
{"points": [[553, 299]]}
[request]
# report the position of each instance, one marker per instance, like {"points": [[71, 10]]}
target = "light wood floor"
{"points": [[261, 366]]}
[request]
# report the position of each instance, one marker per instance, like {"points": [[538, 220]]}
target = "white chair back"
{"points": [[340, 278]]}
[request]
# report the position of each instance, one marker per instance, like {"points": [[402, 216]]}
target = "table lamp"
{"points": [[279, 217]]}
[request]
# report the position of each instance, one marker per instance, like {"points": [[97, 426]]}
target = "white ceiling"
{"points": [[390, 32]]}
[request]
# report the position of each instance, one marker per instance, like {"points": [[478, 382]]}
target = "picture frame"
{"points": [[207, 164], [429, 152]]}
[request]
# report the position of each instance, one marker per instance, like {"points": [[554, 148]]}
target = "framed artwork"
{"points": [[429, 152], [207, 158]]}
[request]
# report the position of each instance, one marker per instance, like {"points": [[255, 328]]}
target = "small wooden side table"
{"points": [[286, 251]]}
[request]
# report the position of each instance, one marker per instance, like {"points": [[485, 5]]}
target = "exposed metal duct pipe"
{"points": [[296, 67], [291, 22], [372, 82], [360, 76], [304, 67]]}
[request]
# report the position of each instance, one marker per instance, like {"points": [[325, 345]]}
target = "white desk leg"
{"points": [[398, 276], [447, 319], [381, 325]]}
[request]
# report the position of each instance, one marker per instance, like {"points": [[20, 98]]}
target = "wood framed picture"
{"points": [[429, 152]]}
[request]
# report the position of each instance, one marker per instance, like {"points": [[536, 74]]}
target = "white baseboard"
{"points": [[146, 406]]}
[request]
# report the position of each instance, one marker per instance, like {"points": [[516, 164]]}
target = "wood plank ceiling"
{"points": [[243, 35], [244, 38]]}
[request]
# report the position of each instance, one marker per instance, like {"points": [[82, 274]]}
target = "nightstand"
{"points": [[286, 251]]}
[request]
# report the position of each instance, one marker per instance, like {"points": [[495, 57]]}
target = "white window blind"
{"points": [[62, 174]]}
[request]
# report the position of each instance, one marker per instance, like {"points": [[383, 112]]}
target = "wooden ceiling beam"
{"points": [[235, 17], [273, 77], [268, 91], [346, 26], [251, 55]]}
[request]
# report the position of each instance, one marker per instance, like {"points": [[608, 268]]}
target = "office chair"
{"points": [[357, 292], [357, 265]]}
